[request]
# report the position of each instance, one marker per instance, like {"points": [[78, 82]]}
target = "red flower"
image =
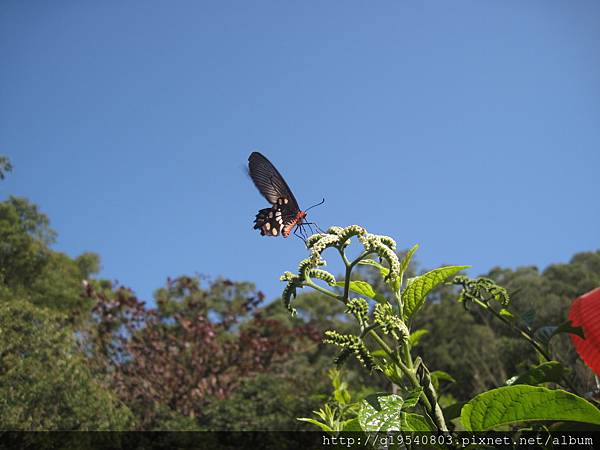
{"points": [[585, 312]]}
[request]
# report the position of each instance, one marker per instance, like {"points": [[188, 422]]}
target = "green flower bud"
{"points": [[326, 240], [351, 343], [287, 276], [335, 230], [359, 308], [323, 275], [312, 240], [390, 323], [352, 230], [375, 244]]}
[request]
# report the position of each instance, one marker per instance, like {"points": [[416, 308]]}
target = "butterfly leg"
{"points": [[301, 235], [319, 230]]}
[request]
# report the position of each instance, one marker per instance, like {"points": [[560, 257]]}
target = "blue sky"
{"points": [[469, 127]]}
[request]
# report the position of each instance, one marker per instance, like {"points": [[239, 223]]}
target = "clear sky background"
{"points": [[469, 127]]}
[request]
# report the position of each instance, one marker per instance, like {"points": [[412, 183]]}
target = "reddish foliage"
{"points": [[197, 345]]}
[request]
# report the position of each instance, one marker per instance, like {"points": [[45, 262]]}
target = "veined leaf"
{"points": [[415, 422], [412, 398], [438, 375], [417, 288], [453, 411], [384, 271], [547, 372], [546, 333], [513, 404], [381, 412], [406, 260], [351, 425], [364, 288], [384, 412], [415, 337]]}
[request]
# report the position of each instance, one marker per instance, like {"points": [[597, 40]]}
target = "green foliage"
{"points": [[44, 381], [351, 344], [30, 270], [417, 387], [387, 413], [363, 288], [263, 402], [210, 358], [546, 372], [339, 413], [416, 336], [390, 323], [417, 288], [392, 359], [201, 345], [515, 404]]}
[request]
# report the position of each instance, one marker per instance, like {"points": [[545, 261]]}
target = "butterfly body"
{"points": [[284, 213]]}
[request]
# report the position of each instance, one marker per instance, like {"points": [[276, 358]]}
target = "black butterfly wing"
{"points": [[269, 182], [276, 220]]}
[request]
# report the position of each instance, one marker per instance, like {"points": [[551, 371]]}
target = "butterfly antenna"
{"points": [[320, 203]]}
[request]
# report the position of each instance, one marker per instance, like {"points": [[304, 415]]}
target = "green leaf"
{"points": [[322, 426], [406, 260], [506, 313], [391, 371], [522, 403], [412, 398], [380, 412], [546, 333], [567, 327], [438, 375], [417, 288], [351, 425], [453, 411], [364, 288], [547, 372], [384, 271], [397, 283], [415, 337], [415, 422], [528, 317], [342, 396]]}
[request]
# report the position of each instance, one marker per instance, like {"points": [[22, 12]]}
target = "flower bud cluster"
{"points": [[482, 289], [351, 343], [385, 247], [390, 323], [359, 308]]}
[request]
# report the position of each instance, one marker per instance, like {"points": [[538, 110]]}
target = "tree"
{"points": [[481, 352], [44, 381], [196, 347], [31, 270]]}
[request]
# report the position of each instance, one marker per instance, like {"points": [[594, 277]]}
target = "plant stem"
{"points": [[434, 410], [316, 287], [528, 337], [407, 355]]}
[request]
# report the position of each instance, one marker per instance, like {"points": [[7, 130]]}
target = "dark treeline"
{"points": [[77, 352]]}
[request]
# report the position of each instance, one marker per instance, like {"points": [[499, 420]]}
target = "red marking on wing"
{"points": [[288, 228]]}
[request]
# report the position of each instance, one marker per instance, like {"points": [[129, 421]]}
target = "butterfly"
{"points": [[284, 213]]}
